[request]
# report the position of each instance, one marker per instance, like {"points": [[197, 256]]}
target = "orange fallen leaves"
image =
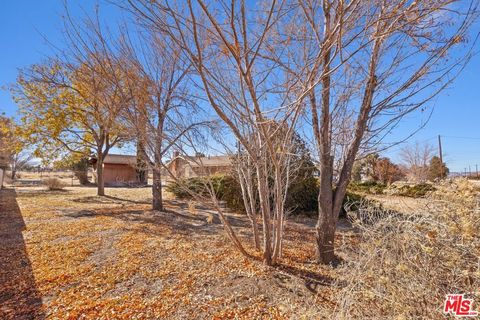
{"points": [[113, 259]]}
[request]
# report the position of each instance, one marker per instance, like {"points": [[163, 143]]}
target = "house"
{"points": [[195, 166], [119, 170]]}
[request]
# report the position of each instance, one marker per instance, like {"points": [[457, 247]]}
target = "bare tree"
{"points": [[246, 177], [416, 158], [163, 106], [359, 67], [374, 62], [19, 161], [238, 82]]}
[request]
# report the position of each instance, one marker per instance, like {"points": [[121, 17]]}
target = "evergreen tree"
{"points": [[437, 169]]}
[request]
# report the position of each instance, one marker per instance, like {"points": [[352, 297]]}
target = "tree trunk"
{"points": [[249, 203], [100, 181], [14, 174], [279, 212], [326, 223], [228, 228], [157, 201], [325, 237], [256, 236], [142, 171], [265, 207]]}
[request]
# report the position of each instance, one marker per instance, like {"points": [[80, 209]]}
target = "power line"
{"points": [[456, 137]]}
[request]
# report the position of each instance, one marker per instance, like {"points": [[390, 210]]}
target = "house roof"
{"points": [[120, 159], [117, 159], [210, 161]]}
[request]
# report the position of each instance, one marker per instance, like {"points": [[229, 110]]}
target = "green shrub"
{"points": [[303, 196], [228, 189], [368, 187], [225, 186], [184, 188], [82, 177], [415, 191], [354, 202]]}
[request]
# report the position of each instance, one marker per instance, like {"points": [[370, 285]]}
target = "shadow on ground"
{"points": [[178, 219], [175, 216], [19, 296], [108, 199], [26, 193]]}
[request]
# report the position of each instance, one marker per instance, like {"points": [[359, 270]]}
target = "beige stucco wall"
{"points": [[181, 169]]}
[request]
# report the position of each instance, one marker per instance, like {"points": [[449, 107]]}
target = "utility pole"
{"points": [[441, 156], [476, 169]]}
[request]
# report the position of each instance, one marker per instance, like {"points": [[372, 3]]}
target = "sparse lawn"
{"points": [[68, 254]]}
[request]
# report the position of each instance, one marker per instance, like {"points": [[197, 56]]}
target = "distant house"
{"points": [[119, 170], [195, 166]]}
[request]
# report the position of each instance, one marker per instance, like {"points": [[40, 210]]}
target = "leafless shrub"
{"points": [[404, 265], [54, 184], [416, 158]]}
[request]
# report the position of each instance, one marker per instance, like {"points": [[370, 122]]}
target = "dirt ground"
{"points": [[25, 178], [73, 255], [401, 204]]}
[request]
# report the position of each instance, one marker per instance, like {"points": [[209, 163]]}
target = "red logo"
{"points": [[459, 306]]}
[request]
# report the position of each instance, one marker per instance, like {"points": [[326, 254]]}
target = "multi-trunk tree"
{"points": [[246, 91], [354, 69], [374, 62]]}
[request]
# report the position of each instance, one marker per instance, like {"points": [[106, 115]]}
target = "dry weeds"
{"points": [[72, 255], [405, 264]]}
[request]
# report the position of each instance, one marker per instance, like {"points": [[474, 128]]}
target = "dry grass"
{"points": [[112, 258], [25, 178], [70, 254], [405, 264], [67, 177]]}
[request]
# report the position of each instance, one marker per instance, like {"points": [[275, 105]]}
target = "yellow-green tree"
{"points": [[71, 107], [14, 151]]}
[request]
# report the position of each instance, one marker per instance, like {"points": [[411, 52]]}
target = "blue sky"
{"points": [[456, 116]]}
